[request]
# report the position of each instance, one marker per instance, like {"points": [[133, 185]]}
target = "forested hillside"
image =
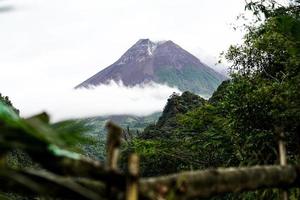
{"points": [[240, 124], [94, 129]]}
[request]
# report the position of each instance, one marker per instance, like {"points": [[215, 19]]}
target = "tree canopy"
{"points": [[239, 124], [7, 101]]}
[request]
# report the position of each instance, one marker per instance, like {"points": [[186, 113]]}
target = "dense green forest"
{"points": [[240, 125]]}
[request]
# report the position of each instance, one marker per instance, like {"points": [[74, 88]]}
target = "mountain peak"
{"points": [[148, 42], [144, 41], [161, 62]]}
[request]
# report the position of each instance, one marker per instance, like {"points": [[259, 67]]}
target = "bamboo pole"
{"points": [[113, 142], [132, 180], [208, 183], [282, 156]]}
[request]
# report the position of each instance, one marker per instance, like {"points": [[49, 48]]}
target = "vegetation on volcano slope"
{"points": [[199, 80]]}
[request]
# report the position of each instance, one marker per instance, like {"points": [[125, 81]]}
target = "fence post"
{"points": [[132, 179], [2, 160], [282, 155], [113, 143]]}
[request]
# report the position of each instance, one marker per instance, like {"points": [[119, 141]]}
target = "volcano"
{"points": [[161, 62]]}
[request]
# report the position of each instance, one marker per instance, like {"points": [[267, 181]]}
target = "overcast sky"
{"points": [[49, 46]]}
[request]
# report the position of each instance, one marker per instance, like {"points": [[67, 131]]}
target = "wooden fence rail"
{"points": [[185, 185], [76, 177], [207, 183]]}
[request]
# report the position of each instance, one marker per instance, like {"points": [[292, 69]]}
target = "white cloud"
{"points": [[64, 103]]}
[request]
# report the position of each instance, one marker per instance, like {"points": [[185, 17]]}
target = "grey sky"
{"points": [[56, 44]]}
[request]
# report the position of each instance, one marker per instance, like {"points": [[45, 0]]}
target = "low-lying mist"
{"points": [[68, 103]]}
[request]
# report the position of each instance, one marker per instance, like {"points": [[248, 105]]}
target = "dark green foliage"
{"points": [[162, 146], [270, 51], [6, 100], [166, 124], [236, 126], [218, 95], [264, 93]]}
